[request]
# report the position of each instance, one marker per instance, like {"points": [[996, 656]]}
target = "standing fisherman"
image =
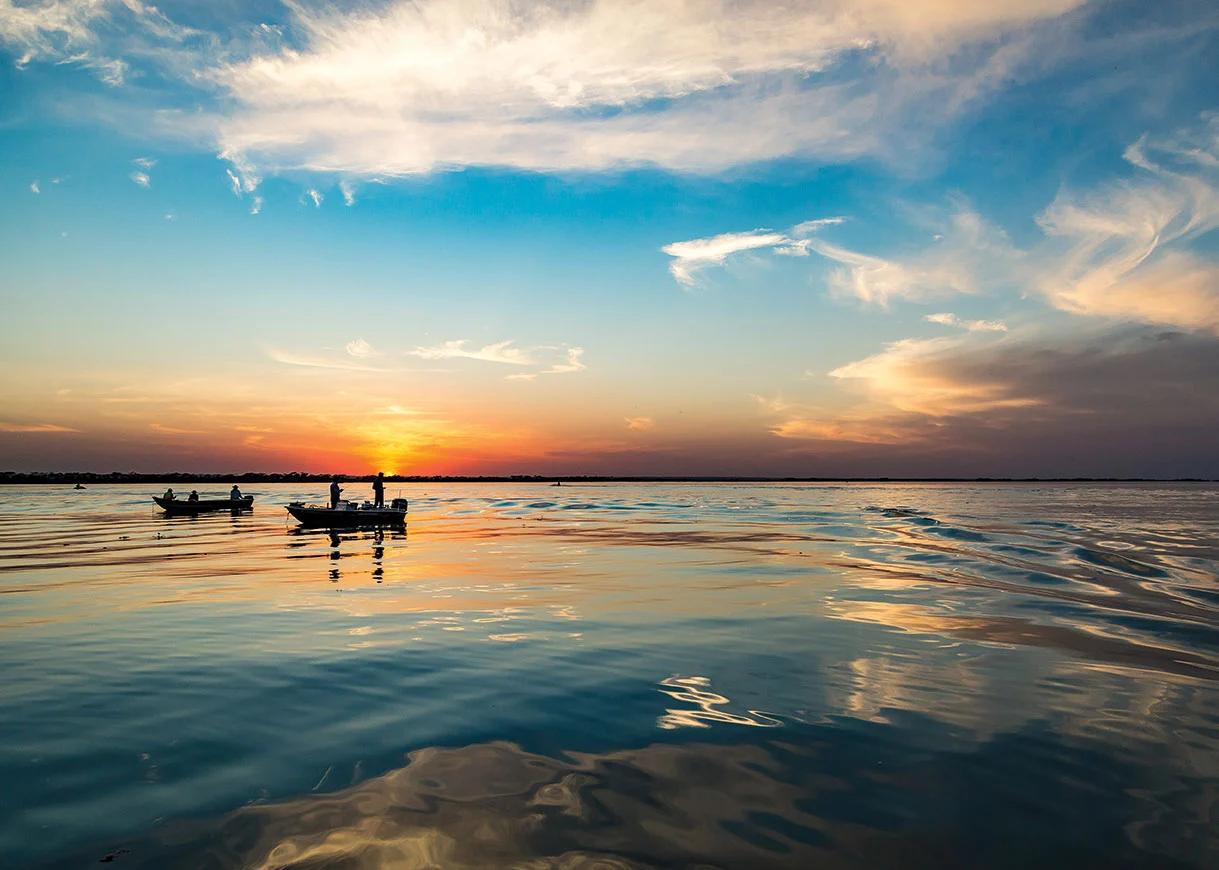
{"points": [[334, 494], [378, 489]]}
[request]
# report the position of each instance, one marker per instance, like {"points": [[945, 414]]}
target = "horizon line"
{"points": [[60, 477]]}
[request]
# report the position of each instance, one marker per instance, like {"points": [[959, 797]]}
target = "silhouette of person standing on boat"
{"points": [[335, 489], [378, 489]]}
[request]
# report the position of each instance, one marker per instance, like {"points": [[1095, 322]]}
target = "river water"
{"points": [[615, 676]]}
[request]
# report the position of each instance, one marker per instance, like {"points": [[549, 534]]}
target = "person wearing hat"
{"points": [[378, 489], [335, 489]]}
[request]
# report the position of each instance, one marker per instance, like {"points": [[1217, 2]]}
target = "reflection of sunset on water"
{"points": [[898, 648], [696, 691]]}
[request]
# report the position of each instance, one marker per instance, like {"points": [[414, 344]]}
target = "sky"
{"points": [[902, 238]]}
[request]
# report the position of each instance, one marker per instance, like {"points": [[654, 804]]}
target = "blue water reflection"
{"points": [[618, 676]]}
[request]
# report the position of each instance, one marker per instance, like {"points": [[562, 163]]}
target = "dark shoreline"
{"points": [[69, 478]]}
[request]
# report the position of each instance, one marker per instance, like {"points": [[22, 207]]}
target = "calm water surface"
{"points": [[615, 676]]}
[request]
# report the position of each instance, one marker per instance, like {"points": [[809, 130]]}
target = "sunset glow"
{"points": [[480, 237]]}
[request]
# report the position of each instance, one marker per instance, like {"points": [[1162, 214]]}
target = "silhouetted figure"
{"points": [[169, 495], [378, 489], [335, 489], [194, 496], [235, 493]]}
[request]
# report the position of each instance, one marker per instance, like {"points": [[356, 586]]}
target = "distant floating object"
{"points": [[203, 505], [349, 515], [78, 486]]}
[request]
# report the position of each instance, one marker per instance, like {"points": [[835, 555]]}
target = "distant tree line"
{"points": [[82, 477]]}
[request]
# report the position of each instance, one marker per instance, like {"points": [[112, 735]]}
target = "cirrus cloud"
{"points": [[691, 256], [411, 86], [568, 361], [30, 428]]}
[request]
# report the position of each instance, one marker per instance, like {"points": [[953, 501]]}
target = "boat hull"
{"points": [[326, 518], [207, 505]]}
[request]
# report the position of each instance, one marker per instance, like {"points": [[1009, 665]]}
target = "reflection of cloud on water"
{"points": [[696, 691], [494, 805], [1146, 693], [962, 692], [1092, 639], [841, 799]]}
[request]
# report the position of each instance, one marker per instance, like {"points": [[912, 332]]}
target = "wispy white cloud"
{"points": [[949, 319], [32, 428], [343, 364], [691, 256], [1121, 250], [35, 188], [360, 348], [112, 71], [500, 352], [808, 228], [349, 192], [141, 178], [968, 252], [145, 162], [256, 205], [572, 364], [407, 86], [639, 424], [315, 196], [172, 430], [243, 176], [503, 352], [93, 34]]}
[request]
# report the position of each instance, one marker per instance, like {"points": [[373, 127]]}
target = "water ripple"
{"points": [[896, 675]]}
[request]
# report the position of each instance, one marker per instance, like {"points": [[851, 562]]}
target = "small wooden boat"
{"points": [[204, 505], [348, 515]]}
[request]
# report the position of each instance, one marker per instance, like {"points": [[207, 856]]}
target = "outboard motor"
{"points": [[398, 504]]}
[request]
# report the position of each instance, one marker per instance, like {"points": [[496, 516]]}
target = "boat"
{"points": [[348, 515], [203, 505]]}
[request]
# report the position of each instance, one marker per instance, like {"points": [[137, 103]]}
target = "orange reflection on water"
{"points": [[697, 692]]}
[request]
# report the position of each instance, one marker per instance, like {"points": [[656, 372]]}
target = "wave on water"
{"points": [[616, 677]]}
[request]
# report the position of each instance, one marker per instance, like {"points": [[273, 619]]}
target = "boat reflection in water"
{"points": [[356, 541]]}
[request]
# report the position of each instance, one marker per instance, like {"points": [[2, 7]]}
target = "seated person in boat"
{"points": [[194, 495], [235, 493], [335, 489], [169, 495]]}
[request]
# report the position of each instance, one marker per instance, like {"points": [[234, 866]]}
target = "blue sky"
{"points": [[872, 238]]}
